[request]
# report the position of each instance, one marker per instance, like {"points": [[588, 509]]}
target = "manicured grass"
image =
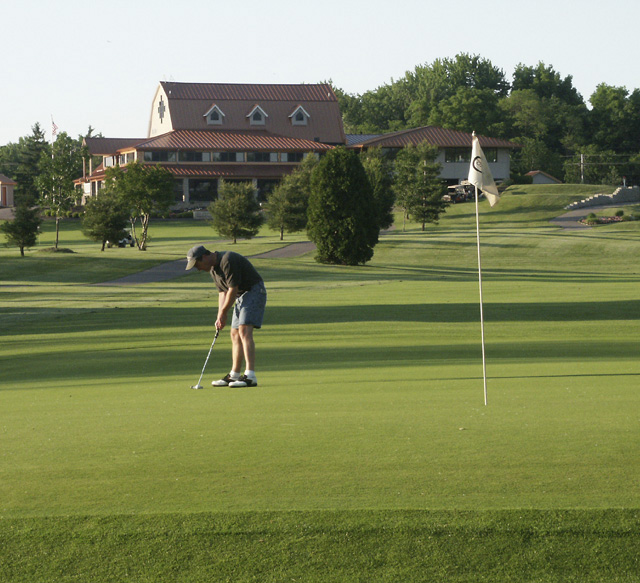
{"points": [[327, 546], [366, 453]]}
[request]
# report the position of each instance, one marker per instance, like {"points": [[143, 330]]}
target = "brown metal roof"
{"points": [[435, 136], [248, 92], [230, 141], [109, 146], [239, 170]]}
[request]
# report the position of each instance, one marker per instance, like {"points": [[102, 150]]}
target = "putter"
{"points": [[199, 386]]}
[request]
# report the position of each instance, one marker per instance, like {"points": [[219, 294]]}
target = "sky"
{"points": [[86, 63]]}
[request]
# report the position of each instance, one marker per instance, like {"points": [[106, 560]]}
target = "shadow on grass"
{"points": [[42, 321], [137, 364]]}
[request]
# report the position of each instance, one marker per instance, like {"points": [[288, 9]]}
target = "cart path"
{"points": [[175, 269], [571, 220]]}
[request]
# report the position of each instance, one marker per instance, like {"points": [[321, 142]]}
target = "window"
{"points": [[457, 155], [464, 154], [257, 116], [160, 156], [227, 157], [291, 157], [491, 154], [202, 190], [258, 157], [194, 156], [215, 116], [299, 117]]}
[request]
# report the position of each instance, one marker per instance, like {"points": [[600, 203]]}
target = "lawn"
{"points": [[366, 453]]}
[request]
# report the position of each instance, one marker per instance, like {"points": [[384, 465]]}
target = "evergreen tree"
{"points": [[419, 190], [343, 222], [22, 231], [32, 150], [236, 213], [379, 171]]}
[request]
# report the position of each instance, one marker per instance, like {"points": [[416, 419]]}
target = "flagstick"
{"points": [[484, 362]]}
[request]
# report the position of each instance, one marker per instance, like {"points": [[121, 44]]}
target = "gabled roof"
{"points": [[184, 106], [533, 173], [435, 136], [6, 180], [220, 140]]}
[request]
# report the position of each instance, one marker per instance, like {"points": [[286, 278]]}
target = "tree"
{"points": [[343, 222], [22, 231], [468, 110], [546, 83], [593, 166], [614, 119], [104, 218], [287, 204], [143, 190], [437, 89], [380, 174], [32, 150], [236, 213], [418, 187], [58, 171]]}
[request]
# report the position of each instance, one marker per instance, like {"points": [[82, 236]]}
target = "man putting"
{"points": [[240, 287]]}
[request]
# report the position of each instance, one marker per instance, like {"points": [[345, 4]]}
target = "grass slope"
{"points": [[366, 453]]}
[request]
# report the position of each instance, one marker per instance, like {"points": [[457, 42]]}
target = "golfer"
{"points": [[240, 287]]}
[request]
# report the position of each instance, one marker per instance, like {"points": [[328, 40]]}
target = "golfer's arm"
{"points": [[227, 299]]}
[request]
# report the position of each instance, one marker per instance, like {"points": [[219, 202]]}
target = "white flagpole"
{"points": [[484, 361]]}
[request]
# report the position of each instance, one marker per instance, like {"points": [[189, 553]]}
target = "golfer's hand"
{"points": [[221, 322]]}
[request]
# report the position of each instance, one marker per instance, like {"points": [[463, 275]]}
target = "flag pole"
{"points": [[484, 361]]}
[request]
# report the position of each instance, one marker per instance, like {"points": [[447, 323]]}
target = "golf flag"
{"points": [[480, 173]]}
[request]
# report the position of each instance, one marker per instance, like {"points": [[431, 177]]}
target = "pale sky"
{"points": [[99, 63]]}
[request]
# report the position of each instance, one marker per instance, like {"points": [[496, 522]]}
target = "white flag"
{"points": [[480, 173]]}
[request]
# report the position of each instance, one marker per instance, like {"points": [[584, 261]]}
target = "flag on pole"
{"points": [[54, 129], [480, 173]]}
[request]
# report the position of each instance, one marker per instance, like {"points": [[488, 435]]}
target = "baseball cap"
{"points": [[194, 254]]}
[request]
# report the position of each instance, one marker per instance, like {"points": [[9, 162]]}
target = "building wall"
{"points": [[460, 170], [158, 124], [543, 179], [6, 195]]}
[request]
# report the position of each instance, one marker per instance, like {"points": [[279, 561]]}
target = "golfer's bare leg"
{"points": [[236, 350], [248, 346]]}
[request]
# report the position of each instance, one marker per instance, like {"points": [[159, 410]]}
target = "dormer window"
{"points": [[215, 116], [299, 117], [257, 116]]}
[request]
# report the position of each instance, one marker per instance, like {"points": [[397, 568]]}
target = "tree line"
{"points": [[596, 141], [343, 200]]}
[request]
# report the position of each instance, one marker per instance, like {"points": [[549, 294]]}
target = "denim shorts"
{"points": [[249, 307]]}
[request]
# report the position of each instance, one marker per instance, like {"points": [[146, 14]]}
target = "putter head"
{"points": [[197, 387]]}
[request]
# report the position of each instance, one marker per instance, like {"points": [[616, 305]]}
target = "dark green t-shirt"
{"points": [[233, 270]]}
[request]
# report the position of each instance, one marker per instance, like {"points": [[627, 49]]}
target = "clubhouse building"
{"points": [[206, 132]]}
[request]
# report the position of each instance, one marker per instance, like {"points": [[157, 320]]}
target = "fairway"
{"points": [[366, 453]]}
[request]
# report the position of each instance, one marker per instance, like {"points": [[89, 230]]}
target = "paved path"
{"points": [[175, 269], [571, 220]]}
